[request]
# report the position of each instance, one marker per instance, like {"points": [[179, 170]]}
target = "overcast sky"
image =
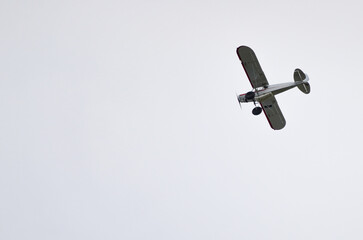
{"points": [[119, 120]]}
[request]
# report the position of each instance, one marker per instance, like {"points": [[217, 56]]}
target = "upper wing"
{"points": [[252, 67], [273, 112]]}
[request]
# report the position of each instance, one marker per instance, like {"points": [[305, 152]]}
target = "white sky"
{"points": [[119, 120]]}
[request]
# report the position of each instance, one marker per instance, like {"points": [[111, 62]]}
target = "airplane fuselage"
{"points": [[262, 92]]}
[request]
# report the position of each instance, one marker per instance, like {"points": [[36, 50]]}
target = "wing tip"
{"points": [[242, 48], [279, 127]]}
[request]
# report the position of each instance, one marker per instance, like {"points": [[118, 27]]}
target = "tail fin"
{"points": [[300, 76]]}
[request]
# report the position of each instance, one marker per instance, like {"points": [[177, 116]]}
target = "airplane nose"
{"points": [[241, 98]]}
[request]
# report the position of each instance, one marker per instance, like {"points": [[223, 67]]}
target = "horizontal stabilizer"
{"points": [[300, 76]]}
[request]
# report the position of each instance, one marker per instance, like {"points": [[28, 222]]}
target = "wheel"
{"points": [[257, 110]]}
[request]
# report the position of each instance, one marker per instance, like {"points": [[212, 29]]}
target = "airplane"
{"points": [[263, 93]]}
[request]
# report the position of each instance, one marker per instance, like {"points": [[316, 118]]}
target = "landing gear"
{"points": [[257, 110]]}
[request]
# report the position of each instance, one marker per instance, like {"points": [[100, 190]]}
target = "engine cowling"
{"points": [[250, 96]]}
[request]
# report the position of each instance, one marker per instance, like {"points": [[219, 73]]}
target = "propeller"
{"points": [[238, 101]]}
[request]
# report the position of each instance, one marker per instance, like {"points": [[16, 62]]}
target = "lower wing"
{"points": [[273, 112]]}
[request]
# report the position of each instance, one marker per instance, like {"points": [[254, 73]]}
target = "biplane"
{"points": [[263, 93]]}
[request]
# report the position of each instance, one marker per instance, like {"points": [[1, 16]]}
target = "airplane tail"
{"points": [[300, 76]]}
